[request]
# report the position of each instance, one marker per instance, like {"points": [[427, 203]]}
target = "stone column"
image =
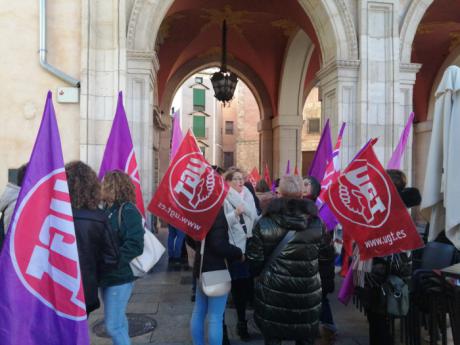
{"points": [[264, 127], [407, 73], [140, 102], [287, 142], [338, 86], [103, 74], [379, 89]]}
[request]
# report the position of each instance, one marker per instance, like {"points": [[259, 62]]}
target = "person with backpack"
{"points": [[385, 271], [118, 195], [283, 254], [8, 202]]}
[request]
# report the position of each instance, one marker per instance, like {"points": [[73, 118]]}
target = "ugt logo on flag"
{"points": [[41, 287], [191, 193], [367, 204], [47, 263]]}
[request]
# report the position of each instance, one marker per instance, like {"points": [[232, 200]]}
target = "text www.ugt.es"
{"points": [[178, 216]]}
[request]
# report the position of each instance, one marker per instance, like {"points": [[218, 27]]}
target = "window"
{"points": [[198, 99], [313, 125], [229, 127], [228, 159], [203, 150], [199, 126], [199, 80]]}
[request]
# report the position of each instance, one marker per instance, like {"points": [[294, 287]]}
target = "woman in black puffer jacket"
{"points": [[288, 291]]}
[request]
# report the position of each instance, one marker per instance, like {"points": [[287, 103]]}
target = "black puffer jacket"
{"points": [[217, 248], [97, 251], [327, 262], [288, 292]]}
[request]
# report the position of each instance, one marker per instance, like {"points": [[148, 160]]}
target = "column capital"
{"points": [[143, 60], [408, 72], [287, 121], [264, 125], [339, 69]]}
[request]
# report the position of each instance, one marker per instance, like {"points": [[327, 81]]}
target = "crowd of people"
{"points": [[279, 255]]}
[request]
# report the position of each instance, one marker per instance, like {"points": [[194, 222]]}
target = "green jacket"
{"points": [[130, 241]]}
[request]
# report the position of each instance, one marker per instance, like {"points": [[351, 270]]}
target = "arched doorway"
{"points": [[260, 37]]}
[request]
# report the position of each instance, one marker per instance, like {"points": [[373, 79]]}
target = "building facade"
{"points": [[202, 113], [373, 63]]}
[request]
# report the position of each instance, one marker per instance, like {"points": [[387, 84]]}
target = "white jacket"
{"points": [[8, 201], [236, 234]]}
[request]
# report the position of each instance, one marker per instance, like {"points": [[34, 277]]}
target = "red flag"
{"points": [[254, 177], [367, 204], [191, 193], [296, 170], [267, 175]]}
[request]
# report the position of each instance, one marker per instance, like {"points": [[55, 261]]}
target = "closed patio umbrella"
{"points": [[441, 192]]}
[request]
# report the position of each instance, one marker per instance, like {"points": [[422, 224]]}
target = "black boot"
{"points": [[225, 340], [242, 330]]}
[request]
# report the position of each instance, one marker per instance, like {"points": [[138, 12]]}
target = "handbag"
{"points": [[214, 283], [153, 250], [397, 296]]}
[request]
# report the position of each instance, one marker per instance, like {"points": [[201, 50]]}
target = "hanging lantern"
{"points": [[224, 82]]}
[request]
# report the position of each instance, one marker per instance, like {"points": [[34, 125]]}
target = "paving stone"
{"points": [[165, 295]]}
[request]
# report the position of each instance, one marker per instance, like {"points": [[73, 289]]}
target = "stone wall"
{"points": [[25, 83]]}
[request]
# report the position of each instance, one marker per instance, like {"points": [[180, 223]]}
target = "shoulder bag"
{"points": [[214, 283], [153, 250], [289, 235]]}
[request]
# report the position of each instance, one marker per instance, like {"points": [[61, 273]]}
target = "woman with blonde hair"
{"points": [[118, 194], [241, 214]]}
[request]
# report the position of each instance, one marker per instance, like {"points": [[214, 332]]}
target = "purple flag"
{"points": [[395, 160], [177, 135], [347, 288], [288, 167], [119, 152], [42, 299], [323, 154]]}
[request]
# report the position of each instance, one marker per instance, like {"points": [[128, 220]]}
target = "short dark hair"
{"points": [[315, 186], [21, 173], [398, 178]]}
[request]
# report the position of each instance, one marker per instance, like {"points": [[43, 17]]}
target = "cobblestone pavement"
{"points": [[165, 296]]}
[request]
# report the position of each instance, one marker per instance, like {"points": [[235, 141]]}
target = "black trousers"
{"points": [[379, 329], [242, 293]]}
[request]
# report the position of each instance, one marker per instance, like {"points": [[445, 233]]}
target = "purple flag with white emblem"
{"points": [[323, 154], [119, 152], [42, 299]]}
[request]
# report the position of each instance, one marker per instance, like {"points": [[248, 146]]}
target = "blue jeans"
{"points": [[214, 308], [175, 242], [115, 302]]}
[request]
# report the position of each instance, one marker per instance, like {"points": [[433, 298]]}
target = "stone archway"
{"points": [[249, 77], [337, 37], [336, 32]]}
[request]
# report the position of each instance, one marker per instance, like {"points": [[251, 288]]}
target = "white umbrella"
{"points": [[441, 192]]}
